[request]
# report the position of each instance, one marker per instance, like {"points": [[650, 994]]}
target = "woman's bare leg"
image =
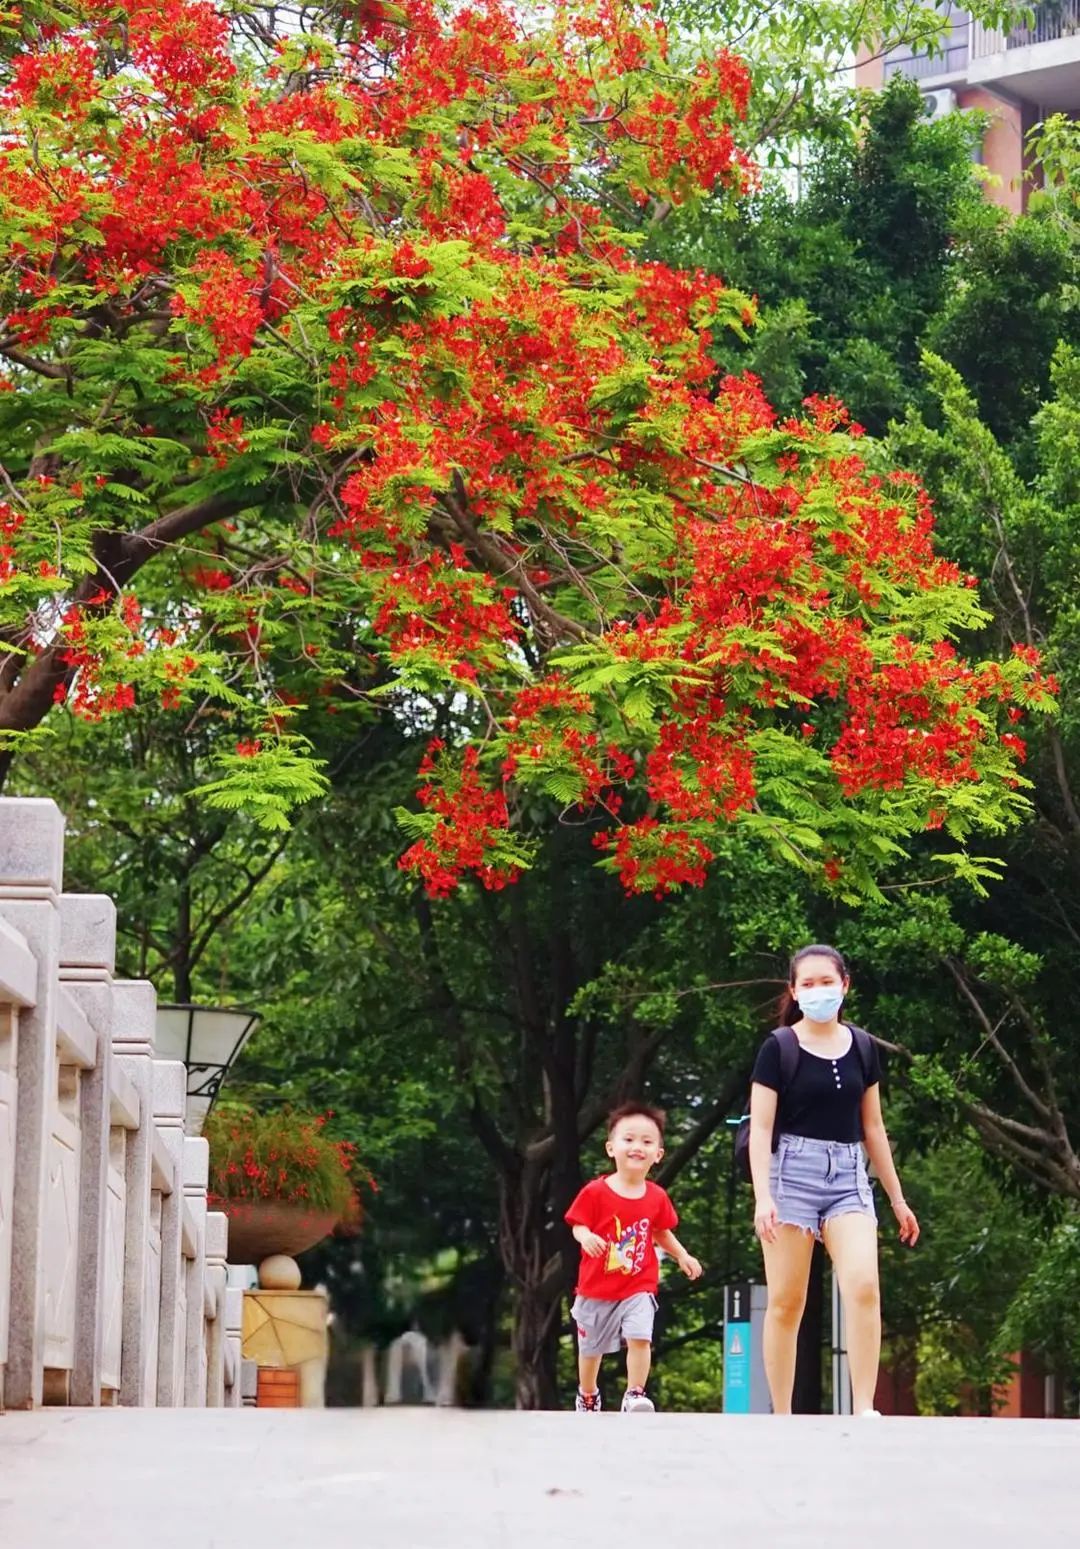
{"points": [[787, 1271], [852, 1244]]}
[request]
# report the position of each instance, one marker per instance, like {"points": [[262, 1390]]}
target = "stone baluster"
{"points": [[87, 956], [18, 981], [170, 1097], [217, 1251], [369, 1377], [234, 1337], [134, 1009], [31, 875], [196, 1177], [249, 1384]]}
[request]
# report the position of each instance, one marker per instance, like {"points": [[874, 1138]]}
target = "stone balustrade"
{"points": [[112, 1270]]}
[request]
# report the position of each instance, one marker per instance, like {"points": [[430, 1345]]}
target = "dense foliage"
{"points": [[253, 583]]}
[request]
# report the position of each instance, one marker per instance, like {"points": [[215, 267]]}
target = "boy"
{"points": [[620, 1220]]}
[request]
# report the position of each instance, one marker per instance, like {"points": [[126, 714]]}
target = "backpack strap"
{"points": [[864, 1048], [789, 1054]]}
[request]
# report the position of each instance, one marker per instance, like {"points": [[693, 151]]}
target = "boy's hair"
{"points": [[636, 1111]]}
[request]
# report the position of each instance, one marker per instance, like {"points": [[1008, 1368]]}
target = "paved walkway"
{"points": [[415, 1479]]}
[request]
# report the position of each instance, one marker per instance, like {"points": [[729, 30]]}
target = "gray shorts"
{"points": [[604, 1327], [813, 1180]]}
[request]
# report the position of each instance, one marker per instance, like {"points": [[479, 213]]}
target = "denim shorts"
{"points": [[813, 1180]]}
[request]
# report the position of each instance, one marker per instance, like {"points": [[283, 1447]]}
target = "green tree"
{"points": [[852, 267]]}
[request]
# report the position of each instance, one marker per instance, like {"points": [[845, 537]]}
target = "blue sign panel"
{"points": [[737, 1344]]}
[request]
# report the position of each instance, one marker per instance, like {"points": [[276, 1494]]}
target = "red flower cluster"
{"points": [[651, 858], [10, 523], [284, 1158], [465, 834]]}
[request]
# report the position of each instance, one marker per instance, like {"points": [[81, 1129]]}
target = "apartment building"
{"points": [[1018, 75]]}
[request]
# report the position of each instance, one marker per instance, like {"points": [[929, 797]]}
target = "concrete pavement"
{"points": [[422, 1479]]}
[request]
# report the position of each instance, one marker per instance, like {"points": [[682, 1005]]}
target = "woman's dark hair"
{"points": [[637, 1111], [788, 1009]]}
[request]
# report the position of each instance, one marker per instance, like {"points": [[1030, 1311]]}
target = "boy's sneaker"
{"points": [[635, 1402], [588, 1403]]}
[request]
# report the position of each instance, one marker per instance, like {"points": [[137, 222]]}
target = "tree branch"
{"points": [[43, 368], [484, 1127], [995, 1042], [702, 1131], [229, 908]]}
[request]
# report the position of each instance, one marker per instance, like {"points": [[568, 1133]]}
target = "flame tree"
{"points": [[332, 376]]}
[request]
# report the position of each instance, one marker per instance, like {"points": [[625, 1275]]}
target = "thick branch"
{"points": [[1062, 775], [119, 556], [138, 547], [703, 1130], [1032, 1097], [1041, 1154], [45, 368]]}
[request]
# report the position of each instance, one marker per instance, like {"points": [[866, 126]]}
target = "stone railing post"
{"points": [[196, 1177], [87, 956], [217, 1251], [134, 1008], [234, 1344], [249, 1384], [31, 875], [170, 1097], [18, 986]]}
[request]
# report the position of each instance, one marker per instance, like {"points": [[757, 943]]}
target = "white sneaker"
{"points": [[635, 1402], [587, 1404], [869, 1414]]}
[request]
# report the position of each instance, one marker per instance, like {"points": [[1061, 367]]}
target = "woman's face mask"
{"points": [[820, 1004]]}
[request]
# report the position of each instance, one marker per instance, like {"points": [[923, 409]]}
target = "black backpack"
{"points": [[789, 1060]]}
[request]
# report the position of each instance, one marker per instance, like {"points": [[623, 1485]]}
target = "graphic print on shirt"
{"points": [[626, 1253]]}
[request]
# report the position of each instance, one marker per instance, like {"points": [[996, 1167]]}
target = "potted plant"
{"points": [[284, 1182]]}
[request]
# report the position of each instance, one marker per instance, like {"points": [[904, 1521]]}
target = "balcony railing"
{"points": [[1054, 20], [969, 39], [951, 59]]}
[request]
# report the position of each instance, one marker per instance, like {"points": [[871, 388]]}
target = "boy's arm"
{"points": [[669, 1243], [591, 1242], [577, 1219]]}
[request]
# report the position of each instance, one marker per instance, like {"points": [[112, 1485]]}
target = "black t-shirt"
{"points": [[823, 1099]]}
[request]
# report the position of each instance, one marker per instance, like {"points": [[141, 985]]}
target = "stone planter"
{"points": [[259, 1228]]}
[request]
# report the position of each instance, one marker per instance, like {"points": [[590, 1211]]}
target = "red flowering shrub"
{"points": [[347, 329], [285, 1157]]}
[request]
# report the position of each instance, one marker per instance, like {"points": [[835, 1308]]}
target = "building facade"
{"points": [[1019, 76]]}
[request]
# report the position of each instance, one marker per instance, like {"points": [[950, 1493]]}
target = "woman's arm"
{"points": [[878, 1149], [763, 1101]]}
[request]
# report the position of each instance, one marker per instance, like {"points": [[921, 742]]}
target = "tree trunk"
{"points": [[182, 946], [533, 1255], [535, 1345]]}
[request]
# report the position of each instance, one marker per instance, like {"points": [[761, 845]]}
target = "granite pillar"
{"points": [[217, 1249], [87, 956], [134, 1008], [31, 875], [196, 1177], [170, 1096], [234, 1337]]}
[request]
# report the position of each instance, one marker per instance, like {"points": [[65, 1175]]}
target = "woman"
{"points": [[815, 1183]]}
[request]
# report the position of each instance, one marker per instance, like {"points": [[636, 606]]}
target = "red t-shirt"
{"points": [[629, 1227]]}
